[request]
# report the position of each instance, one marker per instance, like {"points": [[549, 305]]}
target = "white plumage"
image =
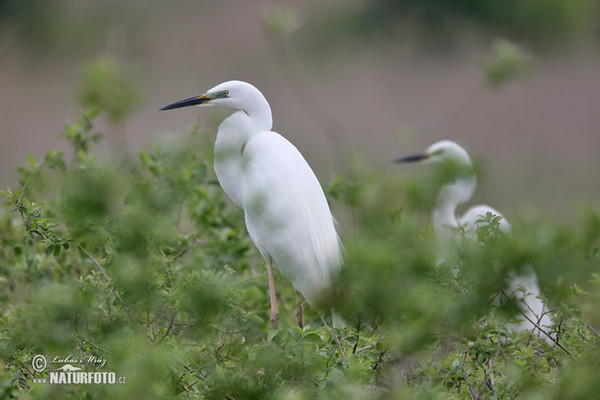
{"points": [[523, 286], [286, 212]]}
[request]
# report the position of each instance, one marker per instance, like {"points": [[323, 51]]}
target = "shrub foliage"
{"points": [[145, 264]]}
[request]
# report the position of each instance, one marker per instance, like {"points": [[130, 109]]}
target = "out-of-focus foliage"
{"points": [[441, 24], [31, 18], [108, 86], [54, 28], [533, 19], [279, 21], [149, 267], [507, 62], [443, 335]]}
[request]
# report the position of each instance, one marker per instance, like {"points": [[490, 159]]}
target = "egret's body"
{"points": [[296, 231], [286, 212], [447, 226]]}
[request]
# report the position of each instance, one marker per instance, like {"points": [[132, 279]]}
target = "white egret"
{"points": [[447, 226], [286, 212]]}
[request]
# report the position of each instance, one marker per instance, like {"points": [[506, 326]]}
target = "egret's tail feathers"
{"points": [[337, 320]]}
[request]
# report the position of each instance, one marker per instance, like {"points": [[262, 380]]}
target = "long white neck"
{"points": [[450, 196], [233, 134], [259, 113]]}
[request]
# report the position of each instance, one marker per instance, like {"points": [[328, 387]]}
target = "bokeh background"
{"points": [[382, 78]]}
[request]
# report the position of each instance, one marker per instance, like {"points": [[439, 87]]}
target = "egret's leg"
{"points": [[299, 300], [273, 296]]}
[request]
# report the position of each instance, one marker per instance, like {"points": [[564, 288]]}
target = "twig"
{"points": [[362, 348], [337, 340], [547, 334], [490, 375], [357, 335], [103, 272], [376, 366], [593, 330], [466, 374], [171, 321], [96, 347], [189, 247], [167, 269], [536, 325], [93, 260]]}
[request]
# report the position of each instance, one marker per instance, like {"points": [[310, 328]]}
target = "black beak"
{"points": [[192, 101], [413, 158]]}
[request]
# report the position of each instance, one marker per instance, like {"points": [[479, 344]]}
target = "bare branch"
{"points": [[536, 325], [593, 330], [103, 272], [466, 374]]}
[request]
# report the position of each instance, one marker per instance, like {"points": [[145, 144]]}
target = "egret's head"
{"points": [[232, 94], [453, 176], [445, 151], [453, 161], [448, 151]]}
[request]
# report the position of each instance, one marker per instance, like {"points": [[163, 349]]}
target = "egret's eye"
{"points": [[225, 93]]}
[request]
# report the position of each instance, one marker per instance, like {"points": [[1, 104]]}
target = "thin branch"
{"points": [[169, 327], [593, 330], [490, 374], [167, 269], [96, 347], [536, 325], [337, 340], [94, 261], [376, 366], [103, 272], [189, 247], [362, 349], [357, 335], [466, 374]]}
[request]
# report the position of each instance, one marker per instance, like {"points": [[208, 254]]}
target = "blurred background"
{"points": [[516, 82]]}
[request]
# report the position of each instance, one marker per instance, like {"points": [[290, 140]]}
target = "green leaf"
{"points": [[31, 161]]}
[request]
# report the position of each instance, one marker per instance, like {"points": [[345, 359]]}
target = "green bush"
{"points": [[148, 266]]}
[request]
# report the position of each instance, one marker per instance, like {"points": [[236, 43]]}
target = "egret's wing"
{"points": [[476, 213], [524, 286], [525, 289], [288, 214]]}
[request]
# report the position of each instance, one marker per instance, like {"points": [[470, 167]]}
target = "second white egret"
{"points": [[286, 212], [524, 287]]}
